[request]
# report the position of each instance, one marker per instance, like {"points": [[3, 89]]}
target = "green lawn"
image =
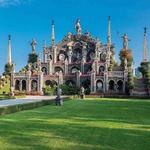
{"points": [[105, 124]]}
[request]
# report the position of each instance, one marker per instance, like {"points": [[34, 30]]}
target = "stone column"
{"points": [[82, 66], [93, 83], [60, 78], [54, 54], [29, 79], [50, 67], [40, 82], [44, 54], [78, 74], [66, 66]]}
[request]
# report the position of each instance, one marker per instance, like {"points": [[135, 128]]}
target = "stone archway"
{"points": [[101, 69], [112, 85], [17, 85], [120, 85], [58, 69], [86, 84], [99, 86], [34, 85], [50, 83], [74, 69], [44, 70], [24, 85]]}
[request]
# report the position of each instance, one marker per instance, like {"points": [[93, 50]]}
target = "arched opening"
{"points": [[101, 69], [103, 57], [99, 85], [17, 85], [88, 68], [44, 70], [50, 57], [111, 85], [120, 86], [62, 56], [58, 69], [70, 83], [77, 53], [24, 85], [86, 84], [34, 85], [50, 83], [74, 69]]}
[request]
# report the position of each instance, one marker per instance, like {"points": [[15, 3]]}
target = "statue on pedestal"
{"points": [[33, 45], [78, 27], [82, 93]]}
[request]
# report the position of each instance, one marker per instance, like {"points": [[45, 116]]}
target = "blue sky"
{"points": [[27, 19]]}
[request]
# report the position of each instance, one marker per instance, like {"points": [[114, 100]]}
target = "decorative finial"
{"points": [[109, 32], [53, 34], [145, 52], [9, 50], [9, 37]]}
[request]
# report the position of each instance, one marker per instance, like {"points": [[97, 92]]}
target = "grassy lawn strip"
{"points": [[105, 124]]}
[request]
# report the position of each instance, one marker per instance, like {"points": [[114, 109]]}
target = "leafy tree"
{"points": [[145, 70], [32, 58], [8, 69]]}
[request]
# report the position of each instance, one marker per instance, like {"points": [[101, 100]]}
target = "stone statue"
{"points": [[125, 41], [69, 35], [82, 93], [33, 45], [78, 27]]}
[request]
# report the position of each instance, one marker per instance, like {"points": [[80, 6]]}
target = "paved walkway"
{"points": [[28, 99]]}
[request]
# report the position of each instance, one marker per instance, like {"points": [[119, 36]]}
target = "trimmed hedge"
{"points": [[28, 106]]}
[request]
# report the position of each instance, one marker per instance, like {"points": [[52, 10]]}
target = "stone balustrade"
{"points": [[115, 73]]}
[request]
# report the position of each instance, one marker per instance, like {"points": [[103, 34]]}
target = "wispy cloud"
{"points": [[5, 3]]}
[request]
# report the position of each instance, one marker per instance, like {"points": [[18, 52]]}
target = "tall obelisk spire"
{"points": [[9, 50], [145, 52], [109, 33], [53, 34]]}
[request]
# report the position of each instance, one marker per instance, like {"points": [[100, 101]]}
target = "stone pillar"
{"points": [[50, 67], [66, 66], [93, 83], [78, 74], [40, 82], [12, 84], [54, 54], [69, 56], [96, 66], [82, 66], [60, 78], [29, 79]]}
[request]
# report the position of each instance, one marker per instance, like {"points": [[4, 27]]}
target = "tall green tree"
{"points": [[8, 69], [32, 58]]}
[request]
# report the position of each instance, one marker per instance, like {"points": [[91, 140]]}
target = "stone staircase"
{"points": [[140, 87]]}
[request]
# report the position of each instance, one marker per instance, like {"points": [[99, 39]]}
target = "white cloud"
{"points": [[5, 3]]}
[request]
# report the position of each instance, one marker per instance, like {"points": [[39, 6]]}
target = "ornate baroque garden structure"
{"points": [[79, 60]]}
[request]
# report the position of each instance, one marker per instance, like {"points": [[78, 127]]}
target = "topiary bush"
{"points": [[49, 90], [69, 89]]}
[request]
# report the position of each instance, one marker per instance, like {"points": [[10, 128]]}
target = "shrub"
{"points": [[69, 89], [49, 90]]}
